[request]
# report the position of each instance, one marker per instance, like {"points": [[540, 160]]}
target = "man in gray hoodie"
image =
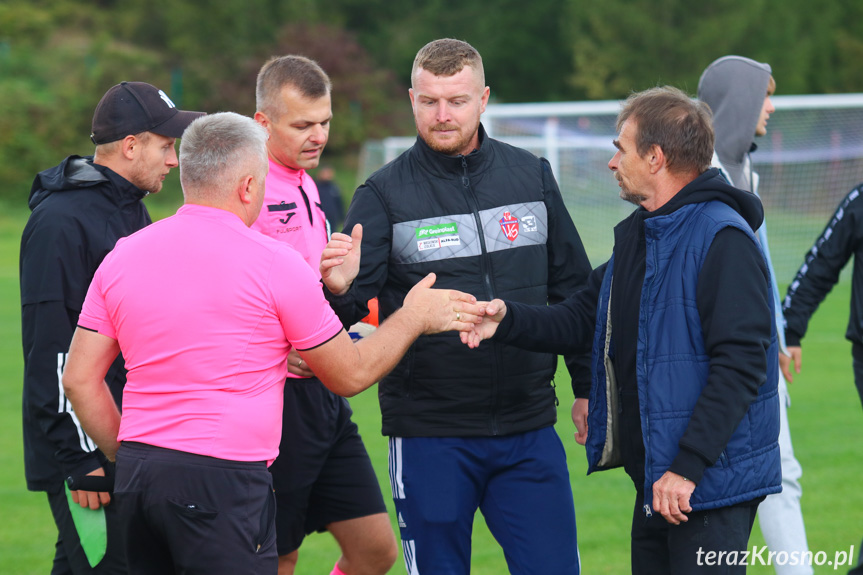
{"points": [[738, 90]]}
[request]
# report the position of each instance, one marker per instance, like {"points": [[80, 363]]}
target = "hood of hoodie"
{"points": [[734, 87], [710, 186], [72, 173]]}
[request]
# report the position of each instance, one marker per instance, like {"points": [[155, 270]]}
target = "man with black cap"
{"points": [[80, 209]]}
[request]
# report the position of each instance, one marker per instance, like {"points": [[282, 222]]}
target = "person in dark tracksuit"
{"points": [[80, 209], [840, 240], [469, 430], [679, 320]]}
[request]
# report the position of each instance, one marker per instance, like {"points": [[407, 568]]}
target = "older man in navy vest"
{"points": [[680, 321]]}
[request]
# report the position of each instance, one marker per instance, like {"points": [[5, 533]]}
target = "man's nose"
{"points": [[442, 114], [172, 160], [319, 134]]}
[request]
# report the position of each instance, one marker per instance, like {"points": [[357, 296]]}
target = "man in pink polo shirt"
{"points": [[323, 477], [205, 311]]}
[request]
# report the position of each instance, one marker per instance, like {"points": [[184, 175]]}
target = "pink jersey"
{"points": [[205, 311], [292, 213]]}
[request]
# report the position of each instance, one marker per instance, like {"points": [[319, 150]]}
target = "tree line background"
{"points": [[57, 57]]}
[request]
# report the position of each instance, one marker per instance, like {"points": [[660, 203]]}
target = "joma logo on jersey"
{"points": [[509, 225], [283, 207]]}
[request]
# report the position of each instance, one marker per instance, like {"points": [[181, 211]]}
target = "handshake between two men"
{"points": [[445, 310], [438, 309]]}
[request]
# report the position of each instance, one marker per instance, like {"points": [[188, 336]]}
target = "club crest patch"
{"points": [[509, 225]]}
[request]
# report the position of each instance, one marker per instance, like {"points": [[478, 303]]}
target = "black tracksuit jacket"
{"points": [[79, 211], [492, 224], [841, 239]]}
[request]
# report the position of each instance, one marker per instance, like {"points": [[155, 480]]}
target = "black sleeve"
{"points": [[368, 209], [563, 328], [822, 266], [736, 310], [55, 271], [47, 330], [568, 269]]}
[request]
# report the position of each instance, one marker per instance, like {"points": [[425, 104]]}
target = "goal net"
{"points": [[809, 160]]}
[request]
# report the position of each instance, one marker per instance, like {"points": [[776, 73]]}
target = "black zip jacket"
{"points": [[79, 211], [422, 213], [731, 287], [842, 238]]}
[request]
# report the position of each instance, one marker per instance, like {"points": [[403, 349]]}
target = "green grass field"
{"points": [[826, 423]]}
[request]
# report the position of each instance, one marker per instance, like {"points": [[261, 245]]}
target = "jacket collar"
{"points": [[448, 166], [77, 172], [127, 192]]}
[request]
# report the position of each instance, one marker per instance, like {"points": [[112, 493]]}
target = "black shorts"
{"points": [[323, 473], [188, 513]]}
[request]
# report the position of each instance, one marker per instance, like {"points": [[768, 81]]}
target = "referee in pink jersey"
{"points": [[205, 311]]}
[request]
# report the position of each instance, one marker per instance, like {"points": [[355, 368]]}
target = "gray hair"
{"points": [[219, 150]]}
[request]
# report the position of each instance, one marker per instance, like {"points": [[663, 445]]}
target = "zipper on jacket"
{"points": [[645, 419], [486, 277], [409, 356], [308, 204]]}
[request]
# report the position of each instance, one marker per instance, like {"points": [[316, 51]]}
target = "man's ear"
{"points": [[263, 120], [484, 99], [655, 158], [130, 147], [246, 190]]}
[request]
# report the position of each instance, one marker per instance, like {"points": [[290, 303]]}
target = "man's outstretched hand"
{"points": [[492, 313], [340, 260], [441, 309]]}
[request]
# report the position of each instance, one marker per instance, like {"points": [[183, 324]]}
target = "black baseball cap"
{"points": [[135, 107]]}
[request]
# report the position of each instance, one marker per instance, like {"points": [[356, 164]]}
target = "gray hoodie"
{"points": [[735, 87]]}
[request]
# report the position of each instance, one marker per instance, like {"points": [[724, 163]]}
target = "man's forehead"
{"points": [[297, 107], [627, 129], [290, 95], [466, 76]]}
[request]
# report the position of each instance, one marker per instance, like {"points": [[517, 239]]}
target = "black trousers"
{"points": [[701, 545], [192, 514], [857, 352]]}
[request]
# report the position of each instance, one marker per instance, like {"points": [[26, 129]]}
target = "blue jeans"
{"points": [[519, 482]]}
